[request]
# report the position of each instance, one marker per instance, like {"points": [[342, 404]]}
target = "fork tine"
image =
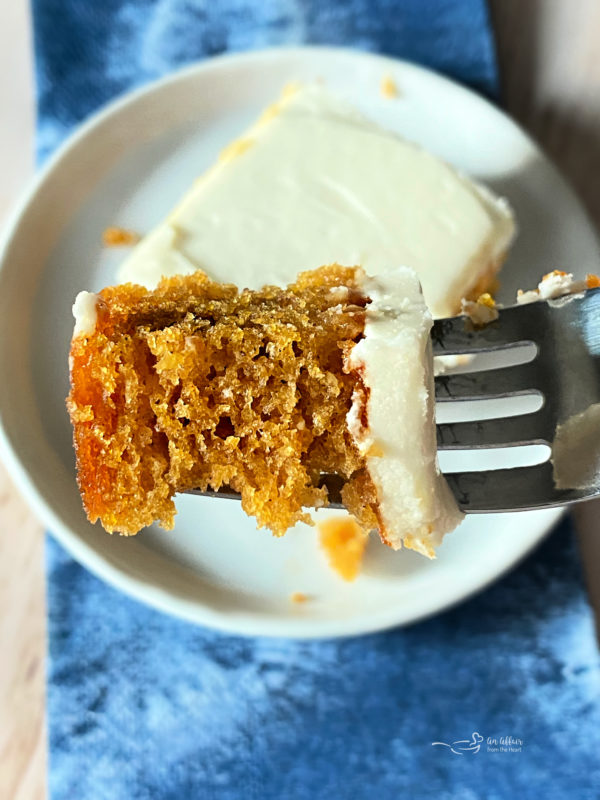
{"points": [[487, 492], [458, 335], [534, 428], [515, 489], [489, 383], [224, 493], [333, 483]]}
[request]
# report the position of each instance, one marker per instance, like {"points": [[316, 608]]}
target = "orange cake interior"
{"points": [[196, 384]]}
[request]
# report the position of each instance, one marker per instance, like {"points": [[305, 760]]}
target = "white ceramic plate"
{"points": [[128, 165]]}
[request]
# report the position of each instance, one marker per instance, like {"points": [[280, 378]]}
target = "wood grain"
{"points": [[23, 620], [551, 78], [22, 649]]}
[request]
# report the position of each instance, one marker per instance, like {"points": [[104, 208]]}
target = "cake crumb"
{"points": [[298, 597], [344, 542], [389, 88], [113, 236], [482, 311], [592, 281], [557, 284]]}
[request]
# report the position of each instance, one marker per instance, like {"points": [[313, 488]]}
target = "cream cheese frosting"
{"points": [[395, 361], [313, 183]]}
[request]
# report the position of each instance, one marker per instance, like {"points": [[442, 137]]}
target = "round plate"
{"points": [[128, 166]]}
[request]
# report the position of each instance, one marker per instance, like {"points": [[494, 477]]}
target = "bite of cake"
{"points": [[181, 380], [195, 384]]}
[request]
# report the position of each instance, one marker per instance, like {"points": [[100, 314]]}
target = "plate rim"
{"points": [[144, 591]]}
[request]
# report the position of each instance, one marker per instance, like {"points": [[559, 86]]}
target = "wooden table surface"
{"points": [[551, 75]]}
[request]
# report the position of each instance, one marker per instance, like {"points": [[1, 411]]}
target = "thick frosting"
{"points": [[314, 182], [396, 365]]}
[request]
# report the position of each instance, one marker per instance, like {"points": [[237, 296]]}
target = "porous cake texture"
{"points": [[196, 384]]}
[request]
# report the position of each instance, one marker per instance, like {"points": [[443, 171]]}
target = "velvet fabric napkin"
{"points": [[142, 706]]}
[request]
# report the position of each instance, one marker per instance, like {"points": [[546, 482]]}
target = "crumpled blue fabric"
{"points": [[88, 51], [145, 707], [141, 706]]}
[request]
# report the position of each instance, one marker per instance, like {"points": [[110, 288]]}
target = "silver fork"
{"points": [[565, 372]]}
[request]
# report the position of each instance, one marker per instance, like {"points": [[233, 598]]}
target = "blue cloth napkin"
{"points": [[144, 706]]}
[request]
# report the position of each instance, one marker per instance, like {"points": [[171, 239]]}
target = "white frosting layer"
{"points": [[85, 313], [395, 360], [316, 183]]}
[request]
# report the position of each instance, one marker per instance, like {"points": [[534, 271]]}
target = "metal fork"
{"points": [[565, 372]]}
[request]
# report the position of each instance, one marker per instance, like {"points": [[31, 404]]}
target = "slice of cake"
{"points": [[314, 182], [195, 384]]}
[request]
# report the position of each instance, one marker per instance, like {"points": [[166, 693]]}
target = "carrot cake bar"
{"points": [[195, 384], [315, 182]]}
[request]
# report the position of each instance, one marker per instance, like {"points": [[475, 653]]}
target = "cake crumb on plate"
{"points": [[113, 236], [298, 597], [344, 542], [388, 87]]}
